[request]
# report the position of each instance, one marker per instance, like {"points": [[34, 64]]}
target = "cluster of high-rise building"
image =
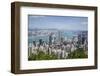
{"points": [[59, 44]]}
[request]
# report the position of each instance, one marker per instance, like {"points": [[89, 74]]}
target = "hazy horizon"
{"points": [[58, 22]]}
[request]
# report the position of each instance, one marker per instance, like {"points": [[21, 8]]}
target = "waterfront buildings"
{"points": [[58, 42]]}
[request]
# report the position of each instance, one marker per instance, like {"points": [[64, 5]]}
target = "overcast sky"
{"points": [[58, 22]]}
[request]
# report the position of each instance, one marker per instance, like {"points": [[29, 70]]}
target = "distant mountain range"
{"points": [[41, 32], [47, 32]]}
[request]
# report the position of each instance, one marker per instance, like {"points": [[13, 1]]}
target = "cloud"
{"points": [[36, 16], [84, 23]]}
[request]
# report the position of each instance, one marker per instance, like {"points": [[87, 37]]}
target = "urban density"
{"points": [[48, 44]]}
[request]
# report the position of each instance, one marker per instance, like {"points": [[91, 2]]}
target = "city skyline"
{"points": [[57, 37], [52, 22]]}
